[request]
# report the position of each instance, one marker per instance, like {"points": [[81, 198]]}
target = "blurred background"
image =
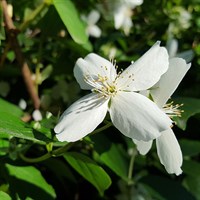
{"points": [[40, 41]]}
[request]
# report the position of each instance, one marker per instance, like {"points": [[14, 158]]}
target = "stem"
{"points": [[102, 128], [131, 165], [48, 155], [35, 160], [26, 73], [60, 150]]}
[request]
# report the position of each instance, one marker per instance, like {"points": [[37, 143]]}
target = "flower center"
{"points": [[102, 85], [173, 110]]}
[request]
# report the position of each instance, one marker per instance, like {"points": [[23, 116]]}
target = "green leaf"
{"points": [[4, 196], [31, 178], [12, 125], [166, 188], [89, 170], [111, 155], [191, 106], [70, 18], [190, 147], [61, 169], [10, 108], [192, 181], [191, 168], [4, 146]]}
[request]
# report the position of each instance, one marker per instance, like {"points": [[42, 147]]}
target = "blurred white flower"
{"points": [[184, 18], [168, 149], [22, 104], [123, 14], [132, 114], [172, 47], [181, 20], [92, 29], [37, 116]]}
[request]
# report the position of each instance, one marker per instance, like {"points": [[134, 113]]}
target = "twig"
{"points": [[26, 73]]}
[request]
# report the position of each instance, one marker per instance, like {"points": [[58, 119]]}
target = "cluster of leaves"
{"points": [[51, 36]]}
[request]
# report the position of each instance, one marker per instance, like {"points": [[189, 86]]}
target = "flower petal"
{"points": [[119, 16], [169, 152], [133, 3], [137, 117], [81, 118], [143, 147], [127, 25], [93, 65], [146, 71], [93, 17], [94, 31], [169, 81]]}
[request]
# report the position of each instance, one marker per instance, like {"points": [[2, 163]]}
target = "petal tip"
{"points": [[158, 43]]}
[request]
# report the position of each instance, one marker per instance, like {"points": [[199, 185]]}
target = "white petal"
{"points": [[143, 147], [137, 117], [146, 71], [169, 152], [134, 3], [94, 31], [127, 25], [93, 17], [169, 81], [81, 118], [37, 116], [172, 47], [93, 65], [22, 104], [119, 16]]}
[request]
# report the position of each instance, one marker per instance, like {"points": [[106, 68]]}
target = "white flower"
{"points": [[92, 29], [132, 114], [22, 104], [168, 149], [123, 13], [172, 47], [37, 116]]}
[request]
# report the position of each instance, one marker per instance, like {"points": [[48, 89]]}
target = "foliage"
{"points": [[47, 37]]}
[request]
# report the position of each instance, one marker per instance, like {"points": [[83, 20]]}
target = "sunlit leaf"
{"points": [[4, 196], [12, 125], [71, 19], [31, 182], [10, 108], [87, 168]]}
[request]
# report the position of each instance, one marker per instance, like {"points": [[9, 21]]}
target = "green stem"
{"points": [[35, 160], [48, 155], [60, 150], [102, 128], [131, 165]]}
